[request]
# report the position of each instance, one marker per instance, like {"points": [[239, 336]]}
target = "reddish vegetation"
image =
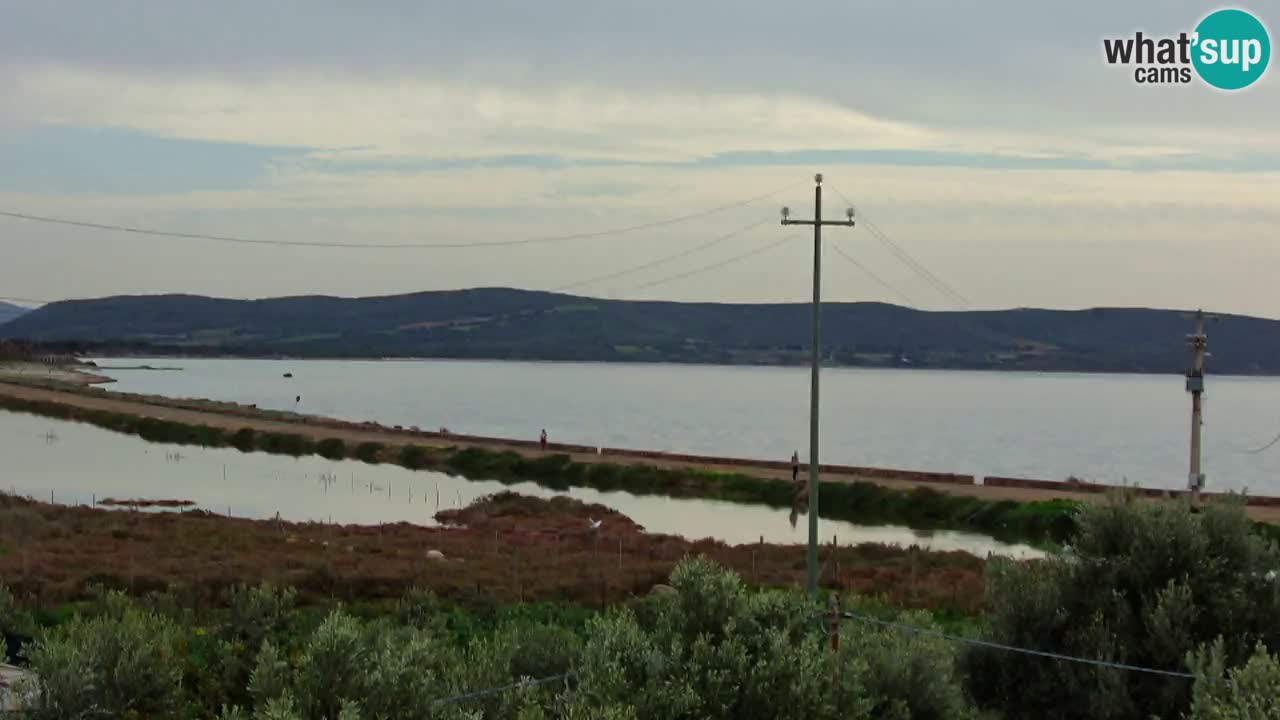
{"points": [[510, 548]]}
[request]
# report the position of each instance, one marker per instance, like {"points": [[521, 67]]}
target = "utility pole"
{"points": [[816, 359], [1198, 342]]}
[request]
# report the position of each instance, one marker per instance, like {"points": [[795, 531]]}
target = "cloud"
{"points": [[993, 140], [348, 119]]}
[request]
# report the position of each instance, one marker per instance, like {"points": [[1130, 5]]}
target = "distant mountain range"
{"points": [[501, 323], [10, 312]]}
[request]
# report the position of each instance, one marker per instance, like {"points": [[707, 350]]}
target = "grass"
{"points": [[1048, 522]]}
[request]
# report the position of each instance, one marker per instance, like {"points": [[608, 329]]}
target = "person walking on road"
{"points": [[542, 440], [795, 465]]}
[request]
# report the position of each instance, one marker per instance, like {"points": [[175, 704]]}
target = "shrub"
{"points": [[119, 664], [539, 651], [1145, 584], [243, 440], [256, 613], [369, 451], [284, 444], [714, 651], [332, 448], [15, 623], [414, 457], [1248, 692], [421, 609]]}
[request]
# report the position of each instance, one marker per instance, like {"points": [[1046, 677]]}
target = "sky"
{"points": [[990, 142]]}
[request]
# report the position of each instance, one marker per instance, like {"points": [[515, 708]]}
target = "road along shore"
{"points": [[231, 417]]}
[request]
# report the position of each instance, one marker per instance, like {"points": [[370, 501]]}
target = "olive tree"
{"points": [[118, 664], [1144, 584], [1247, 692], [713, 650]]}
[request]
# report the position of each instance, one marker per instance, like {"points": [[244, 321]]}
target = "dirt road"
{"points": [[317, 429]]}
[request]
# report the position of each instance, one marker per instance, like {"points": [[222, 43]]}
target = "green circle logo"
{"points": [[1232, 49]]}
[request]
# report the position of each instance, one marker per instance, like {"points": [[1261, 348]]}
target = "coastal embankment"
{"points": [[1015, 508]]}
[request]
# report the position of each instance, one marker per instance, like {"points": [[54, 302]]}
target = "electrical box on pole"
{"points": [[1198, 342]]}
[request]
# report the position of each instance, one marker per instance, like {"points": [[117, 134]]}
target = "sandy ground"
{"points": [[41, 371], [390, 436]]}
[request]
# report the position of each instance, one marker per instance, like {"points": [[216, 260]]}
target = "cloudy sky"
{"points": [[989, 140]]}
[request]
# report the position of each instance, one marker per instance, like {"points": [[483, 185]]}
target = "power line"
{"points": [[716, 265], [1268, 446], [899, 252], [503, 688], [662, 260], [1011, 648], [621, 273], [924, 272], [393, 246], [867, 271], [902, 254]]}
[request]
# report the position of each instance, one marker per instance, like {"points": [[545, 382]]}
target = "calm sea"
{"points": [[1108, 428]]}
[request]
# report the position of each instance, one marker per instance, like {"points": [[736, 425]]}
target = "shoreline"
{"points": [[23, 370], [671, 363], [226, 418]]}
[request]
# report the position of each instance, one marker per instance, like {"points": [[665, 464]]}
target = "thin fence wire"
{"points": [[1010, 648], [487, 692]]}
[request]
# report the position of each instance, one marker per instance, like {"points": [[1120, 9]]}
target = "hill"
{"points": [[10, 312], [500, 323]]}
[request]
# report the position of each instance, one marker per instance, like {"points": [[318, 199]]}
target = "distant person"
{"points": [[542, 440], [795, 465]]}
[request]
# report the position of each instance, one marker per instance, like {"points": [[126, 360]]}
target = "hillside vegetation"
{"points": [[517, 324]]}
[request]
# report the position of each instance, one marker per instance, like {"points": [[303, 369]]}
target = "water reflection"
{"points": [[74, 463]]}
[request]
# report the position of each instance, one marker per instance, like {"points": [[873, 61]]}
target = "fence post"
{"points": [[833, 608]]}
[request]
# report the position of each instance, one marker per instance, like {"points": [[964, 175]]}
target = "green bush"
{"points": [[14, 620], [118, 664], [1144, 583], [243, 440], [369, 451], [714, 651], [415, 457], [284, 444], [332, 448], [539, 651], [1248, 692]]}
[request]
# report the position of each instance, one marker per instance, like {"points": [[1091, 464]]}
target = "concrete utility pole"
{"points": [[816, 359], [1198, 342]]}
